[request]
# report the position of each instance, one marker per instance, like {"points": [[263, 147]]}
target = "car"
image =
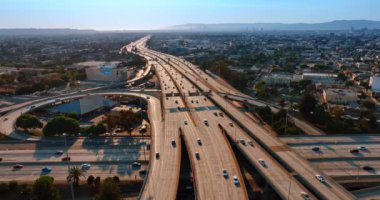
{"points": [[173, 142], [136, 164], [362, 148], [196, 101], [176, 101], [242, 141], [250, 142], [197, 156], [18, 166], [192, 101], [225, 173], [305, 196], [216, 114], [221, 114], [67, 158], [86, 166], [205, 122], [1, 159], [236, 180], [199, 141], [5, 119], [231, 124], [354, 151], [157, 155], [147, 97], [46, 170], [316, 149], [320, 178], [185, 122], [58, 153], [262, 162], [367, 168]]}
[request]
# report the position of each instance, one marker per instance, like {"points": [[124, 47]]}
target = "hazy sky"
{"points": [[151, 14]]}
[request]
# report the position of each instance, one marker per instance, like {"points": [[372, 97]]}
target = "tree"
{"points": [[97, 181], [116, 179], [61, 124], [90, 180], [43, 189], [337, 112], [73, 115], [74, 176], [97, 129], [109, 190], [260, 88], [307, 104], [342, 77], [320, 116], [26, 121]]}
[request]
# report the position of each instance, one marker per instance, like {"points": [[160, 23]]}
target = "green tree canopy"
{"points": [[109, 190], [307, 104], [75, 173], [43, 189], [61, 124], [26, 121]]}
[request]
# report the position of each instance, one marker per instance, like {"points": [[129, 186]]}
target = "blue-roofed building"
{"points": [[85, 105]]}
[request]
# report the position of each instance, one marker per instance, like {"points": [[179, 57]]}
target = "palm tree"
{"points": [[75, 173]]}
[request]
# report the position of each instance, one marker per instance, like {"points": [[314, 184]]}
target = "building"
{"points": [[108, 72], [321, 78], [374, 83], [84, 106], [340, 96], [280, 78], [115, 112]]}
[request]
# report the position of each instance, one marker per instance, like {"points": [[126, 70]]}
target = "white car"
{"points": [[236, 180], [320, 178], [362, 148], [262, 162]]}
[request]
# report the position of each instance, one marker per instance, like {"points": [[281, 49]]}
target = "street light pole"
{"points": [[68, 168]]}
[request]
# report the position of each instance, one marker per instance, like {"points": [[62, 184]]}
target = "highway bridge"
{"points": [[297, 169]]}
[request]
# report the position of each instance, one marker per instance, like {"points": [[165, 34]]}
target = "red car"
{"points": [[66, 159]]}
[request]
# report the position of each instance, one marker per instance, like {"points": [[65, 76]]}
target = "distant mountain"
{"points": [[333, 25], [33, 31]]}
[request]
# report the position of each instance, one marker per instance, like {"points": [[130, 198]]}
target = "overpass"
{"points": [[289, 159]]}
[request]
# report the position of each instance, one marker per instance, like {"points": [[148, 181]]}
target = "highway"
{"points": [[213, 156], [202, 108], [278, 150], [107, 156]]}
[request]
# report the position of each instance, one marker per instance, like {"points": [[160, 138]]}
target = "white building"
{"points": [[374, 83], [108, 72]]}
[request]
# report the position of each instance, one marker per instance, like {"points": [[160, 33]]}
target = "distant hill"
{"points": [[33, 31], [333, 25]]}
